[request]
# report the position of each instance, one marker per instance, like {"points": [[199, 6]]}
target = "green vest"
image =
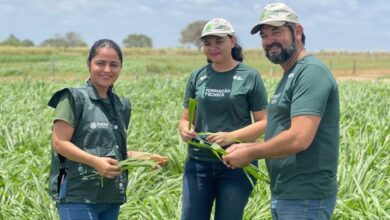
{"points": [[101, 130], [225, 101], [308, 88]]}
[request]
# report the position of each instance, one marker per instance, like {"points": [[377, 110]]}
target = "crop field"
{"points": [[154, 80]]}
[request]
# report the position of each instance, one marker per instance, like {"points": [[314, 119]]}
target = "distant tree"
{"points": [[191, 34], [15, 42], [137, 40], [54, 42], [11, 41], [27, 43], [71, 39]]}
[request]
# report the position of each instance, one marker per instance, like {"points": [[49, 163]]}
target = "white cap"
{"points": [[218, 27], [276, 14]]}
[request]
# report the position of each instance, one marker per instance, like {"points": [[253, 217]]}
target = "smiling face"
{"points": [[104, 69], [277, 43], [218, 49]]}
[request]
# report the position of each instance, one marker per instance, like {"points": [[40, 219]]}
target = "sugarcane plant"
{"points": [[218, 151]]}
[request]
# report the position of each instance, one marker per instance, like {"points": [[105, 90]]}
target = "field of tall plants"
{"points": [[155, 84]]}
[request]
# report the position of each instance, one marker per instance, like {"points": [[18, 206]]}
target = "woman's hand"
{"points": [[186, 135], [223, 139], [107, 167]]}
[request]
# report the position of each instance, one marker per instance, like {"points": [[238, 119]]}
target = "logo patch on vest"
{"points": [[95, 125]]}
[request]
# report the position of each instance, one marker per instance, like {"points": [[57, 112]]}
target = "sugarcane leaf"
{"points": [[216, 154], [191, 111], [218, 150], [249, 178], [255, 172]]}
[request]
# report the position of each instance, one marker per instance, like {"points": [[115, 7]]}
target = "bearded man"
{"points": [[302, 134]]}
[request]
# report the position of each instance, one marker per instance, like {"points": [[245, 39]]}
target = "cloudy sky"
{"points": [[353, 25]]}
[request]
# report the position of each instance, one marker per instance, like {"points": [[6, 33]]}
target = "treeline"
{"points": [[189, 35], [72, 39]]}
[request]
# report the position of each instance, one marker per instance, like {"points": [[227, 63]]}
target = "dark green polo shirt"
{"points": [[225, 101], [308, 88]]}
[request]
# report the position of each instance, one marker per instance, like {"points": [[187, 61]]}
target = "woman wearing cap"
{"points": [[89, 136], [229, 94]]}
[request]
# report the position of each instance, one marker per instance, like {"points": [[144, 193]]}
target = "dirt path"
{"points": [[364, 75]]}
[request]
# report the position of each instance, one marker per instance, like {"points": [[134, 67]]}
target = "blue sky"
{"points": [[351, 25]]}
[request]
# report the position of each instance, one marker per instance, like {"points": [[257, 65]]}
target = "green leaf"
{"points": [[249, 169], [191, 111]]}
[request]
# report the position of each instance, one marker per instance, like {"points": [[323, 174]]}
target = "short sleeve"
{"points": [[311, 91], [65, 110]]}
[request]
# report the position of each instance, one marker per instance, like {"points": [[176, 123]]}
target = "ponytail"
{"points": [[237, 53]]}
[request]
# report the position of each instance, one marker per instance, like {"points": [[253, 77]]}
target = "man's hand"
{"points": [[239, 155]]}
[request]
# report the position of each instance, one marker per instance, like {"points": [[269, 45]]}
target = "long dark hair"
{"points": [[104, 43], [237, 53]]}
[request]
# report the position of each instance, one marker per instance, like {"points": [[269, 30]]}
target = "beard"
{"points": [[278, 58]]}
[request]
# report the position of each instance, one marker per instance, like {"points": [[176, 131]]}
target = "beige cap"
{"points": [[275, 14], [217, 27]]}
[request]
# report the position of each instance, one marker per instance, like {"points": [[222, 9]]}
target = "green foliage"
{"points": [[192, 33], [15, 42], [27, 43], [191, 111], [11, 72], [138, 40], [71, 39]]}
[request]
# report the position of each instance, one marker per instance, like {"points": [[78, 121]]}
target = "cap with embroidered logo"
{"points": [[218, 27], [276, 14]]}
